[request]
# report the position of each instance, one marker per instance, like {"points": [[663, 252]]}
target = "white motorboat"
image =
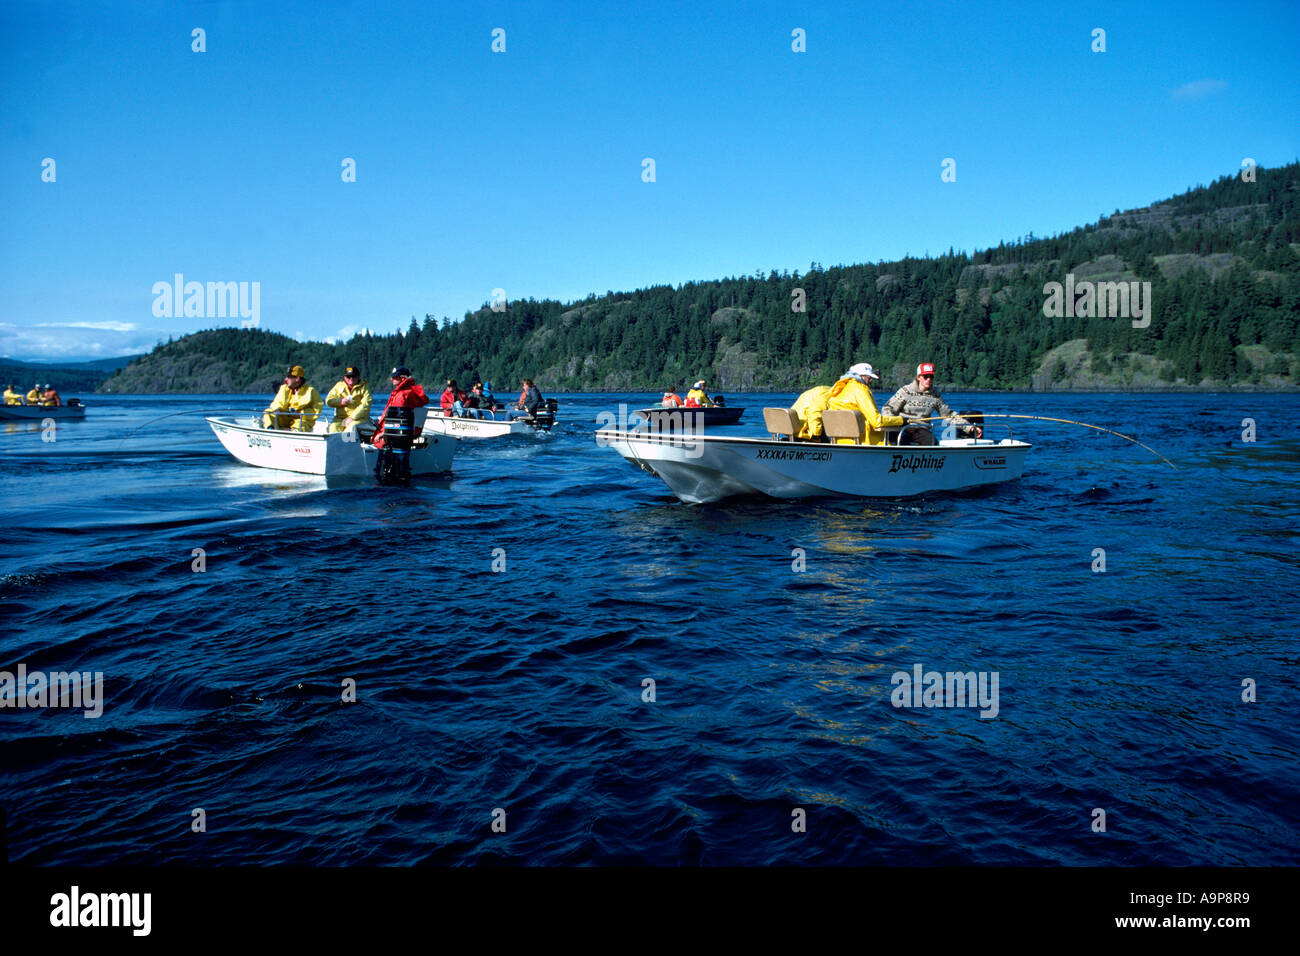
{"points": [[700, 468], [478, 427], [470, 427], [321, 452]]}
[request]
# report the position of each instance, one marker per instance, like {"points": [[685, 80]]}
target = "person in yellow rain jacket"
{"points": [[696, 397], [350, 400], [809, 407], [12, 397], [295, 395], [853, 392], [35, 395]]}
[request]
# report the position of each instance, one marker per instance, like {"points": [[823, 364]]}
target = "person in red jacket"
{"points": [[453, 400], [405, 394]]}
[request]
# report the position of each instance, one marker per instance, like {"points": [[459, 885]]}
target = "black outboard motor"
{"points": [[544, 417], [394, 464]]}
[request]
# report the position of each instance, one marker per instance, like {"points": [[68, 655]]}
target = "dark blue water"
{"points": [[523, 690]]}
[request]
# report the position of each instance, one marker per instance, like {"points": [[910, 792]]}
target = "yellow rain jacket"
{"points": [[697, 395], [809, 407], [34, 396], [851, 394], [357, 413], [12, 397], [303, 399]]}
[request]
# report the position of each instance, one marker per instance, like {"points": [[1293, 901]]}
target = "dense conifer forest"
{"points": [[1223, 263]]}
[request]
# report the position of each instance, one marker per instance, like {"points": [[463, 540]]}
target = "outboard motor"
{"points": [[544, 417], [975, 418], [74, 402], [394, 464]]}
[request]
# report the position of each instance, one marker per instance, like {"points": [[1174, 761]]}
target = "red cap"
{"points": [[925, 368]]}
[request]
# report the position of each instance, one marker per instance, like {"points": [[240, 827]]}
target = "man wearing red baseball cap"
{"points": [[919, 400]]}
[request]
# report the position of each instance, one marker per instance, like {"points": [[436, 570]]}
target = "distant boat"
{"points": [[36, 413], [693, 416], [321, 452], [475, 428]]}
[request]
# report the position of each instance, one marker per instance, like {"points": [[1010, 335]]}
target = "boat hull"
{"points": [[700, 469], [477, 428], [37, 413], [321, 453], [693, 417]]}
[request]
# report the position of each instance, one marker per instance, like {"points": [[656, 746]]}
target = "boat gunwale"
{"points": [[660, 438]]}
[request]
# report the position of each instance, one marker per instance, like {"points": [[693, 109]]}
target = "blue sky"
{"points": [[522, 170]]}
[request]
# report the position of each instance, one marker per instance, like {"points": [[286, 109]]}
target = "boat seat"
{"points": [[782, 421], [843, 423]]}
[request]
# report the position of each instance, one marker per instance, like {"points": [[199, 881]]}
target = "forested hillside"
{"points": [[1223, 262]]}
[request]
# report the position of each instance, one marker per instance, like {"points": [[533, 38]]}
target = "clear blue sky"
{"points": [[523, 170]]}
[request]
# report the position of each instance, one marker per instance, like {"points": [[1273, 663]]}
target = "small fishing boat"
{"points": [[476, 428], [321, 452], [697, 416], [701, 468], [37, 413]]}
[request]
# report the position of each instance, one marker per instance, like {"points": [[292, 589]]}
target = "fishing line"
{"points": [[1066, 421]]}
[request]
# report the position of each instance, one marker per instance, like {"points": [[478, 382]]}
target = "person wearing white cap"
{"points": [[35, 395], [918, 400], [853, 392], [696, 397]]}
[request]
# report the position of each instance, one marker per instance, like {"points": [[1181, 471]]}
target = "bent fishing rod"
{"points": [[1063, 421]]}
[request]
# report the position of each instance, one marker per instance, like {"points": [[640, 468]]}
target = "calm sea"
{"points": [[641, 681]]}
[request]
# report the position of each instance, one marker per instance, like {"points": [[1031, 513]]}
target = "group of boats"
{"points": [[673, 445]]}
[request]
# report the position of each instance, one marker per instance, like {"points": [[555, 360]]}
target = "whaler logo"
{"points": [[73, 689], [102, 909], [217, 301], [990, 464], [951, 689], [916, 463]]}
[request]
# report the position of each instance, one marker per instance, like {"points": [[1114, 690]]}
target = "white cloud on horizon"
{"points": [[102, 326], [1199, 89], [52, 341]]}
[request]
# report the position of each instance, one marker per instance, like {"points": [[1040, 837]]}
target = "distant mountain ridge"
{"points": [[65, 375], [1222, 263]]}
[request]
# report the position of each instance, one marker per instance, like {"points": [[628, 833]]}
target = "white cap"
{"points": [[860, 371]]}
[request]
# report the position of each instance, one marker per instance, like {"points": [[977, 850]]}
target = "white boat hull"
{"points": [[322, 453], [700, 468], [477, 427]]}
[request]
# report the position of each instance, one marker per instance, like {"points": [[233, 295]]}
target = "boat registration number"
{"points": [[783, 454]]}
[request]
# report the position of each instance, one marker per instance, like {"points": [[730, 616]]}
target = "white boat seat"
{"points": [[782, 421], [843, 423]]}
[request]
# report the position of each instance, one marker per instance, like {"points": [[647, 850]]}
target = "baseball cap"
{"points": [[925, 368], [862, 370]]}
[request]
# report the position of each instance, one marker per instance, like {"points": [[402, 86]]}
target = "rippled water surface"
{"points": [[524, 690]]}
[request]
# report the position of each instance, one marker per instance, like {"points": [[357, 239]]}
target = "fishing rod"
{"points": [[196, 411], [1063, 421]]}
